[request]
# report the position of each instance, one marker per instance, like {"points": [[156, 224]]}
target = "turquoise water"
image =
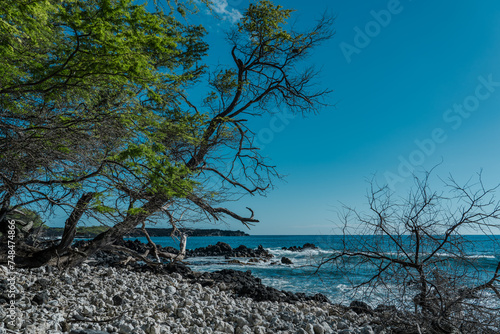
{"points": [[303, 276]]}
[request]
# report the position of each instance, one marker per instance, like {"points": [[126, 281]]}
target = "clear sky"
{"points": [[415, 84]]}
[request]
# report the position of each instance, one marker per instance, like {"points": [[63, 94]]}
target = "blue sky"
{"points": [[422, 87], [415, 84]]}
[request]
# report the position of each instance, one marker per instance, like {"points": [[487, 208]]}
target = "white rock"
{"points": [[243, 330], [318, 329], [326, 327], [87, 310], [346, 331], [207, 297], [366, 330], [342, 325], [257, 319], [126, 328], [240, 321], [176, 276], [58, 317], [39, 328], [309, 329], [4, 271], [259, 330], [183, 313], [14, 324], [171, 290]]}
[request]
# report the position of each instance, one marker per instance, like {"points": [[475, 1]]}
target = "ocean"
{"points": [[302, 275]]}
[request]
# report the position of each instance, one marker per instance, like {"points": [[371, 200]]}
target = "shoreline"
{"points": [[97, 299]]}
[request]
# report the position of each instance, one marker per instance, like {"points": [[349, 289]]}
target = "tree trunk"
{"points": [[72, 221], [44, 256], [117, 232], [4, 210]]}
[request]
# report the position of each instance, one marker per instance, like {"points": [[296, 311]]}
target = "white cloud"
{"points": [[220, 7]]}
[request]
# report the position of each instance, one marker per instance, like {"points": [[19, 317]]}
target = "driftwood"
{"points": [[150, 242], [182, 251], [144, 257]]}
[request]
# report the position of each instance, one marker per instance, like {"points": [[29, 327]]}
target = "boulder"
{"points": [[244, 284], [223, 249], [299, 249], [360, 307]]}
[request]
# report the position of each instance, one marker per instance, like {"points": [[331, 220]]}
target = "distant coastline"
{"points": [[92, 231]]}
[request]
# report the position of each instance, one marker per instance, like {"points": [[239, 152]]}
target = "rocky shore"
{"points": [[103, 295], [101, 299]]}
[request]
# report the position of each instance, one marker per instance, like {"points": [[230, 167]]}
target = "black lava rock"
{"points": [[177, 267], [223, 249], [360, 307], [244, 284], [386, 309], [117, 300], [286, 260], [43, 283], [299, 249], [41, 298]]}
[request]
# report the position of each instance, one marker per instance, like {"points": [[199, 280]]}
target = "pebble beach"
{"points": [[97, 299]]}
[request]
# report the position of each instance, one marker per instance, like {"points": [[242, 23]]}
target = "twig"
{"points": [[155, 249]]}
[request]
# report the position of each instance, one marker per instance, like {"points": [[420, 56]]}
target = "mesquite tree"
{"points": [[415, 254], [265, 73], [168, 156], [78, 79]]}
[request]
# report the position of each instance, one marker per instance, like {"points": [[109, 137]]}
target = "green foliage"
{"points": [[265, 22], [81, 230], [47, 46], [88, 93], [226, 82], [136, 211], [91, 229], [92, 101], [27, 216]]}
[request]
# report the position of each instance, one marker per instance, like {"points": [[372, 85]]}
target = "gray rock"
{"points": [[318, 329], [43, 283], [342, 325], [79, 317], [366, 330], [171, 290], [240, 321], [67, 279], [183, 313]]}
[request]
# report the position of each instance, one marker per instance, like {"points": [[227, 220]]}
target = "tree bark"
{"points": [[44, 256], [72, 221], [117, 232]]}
